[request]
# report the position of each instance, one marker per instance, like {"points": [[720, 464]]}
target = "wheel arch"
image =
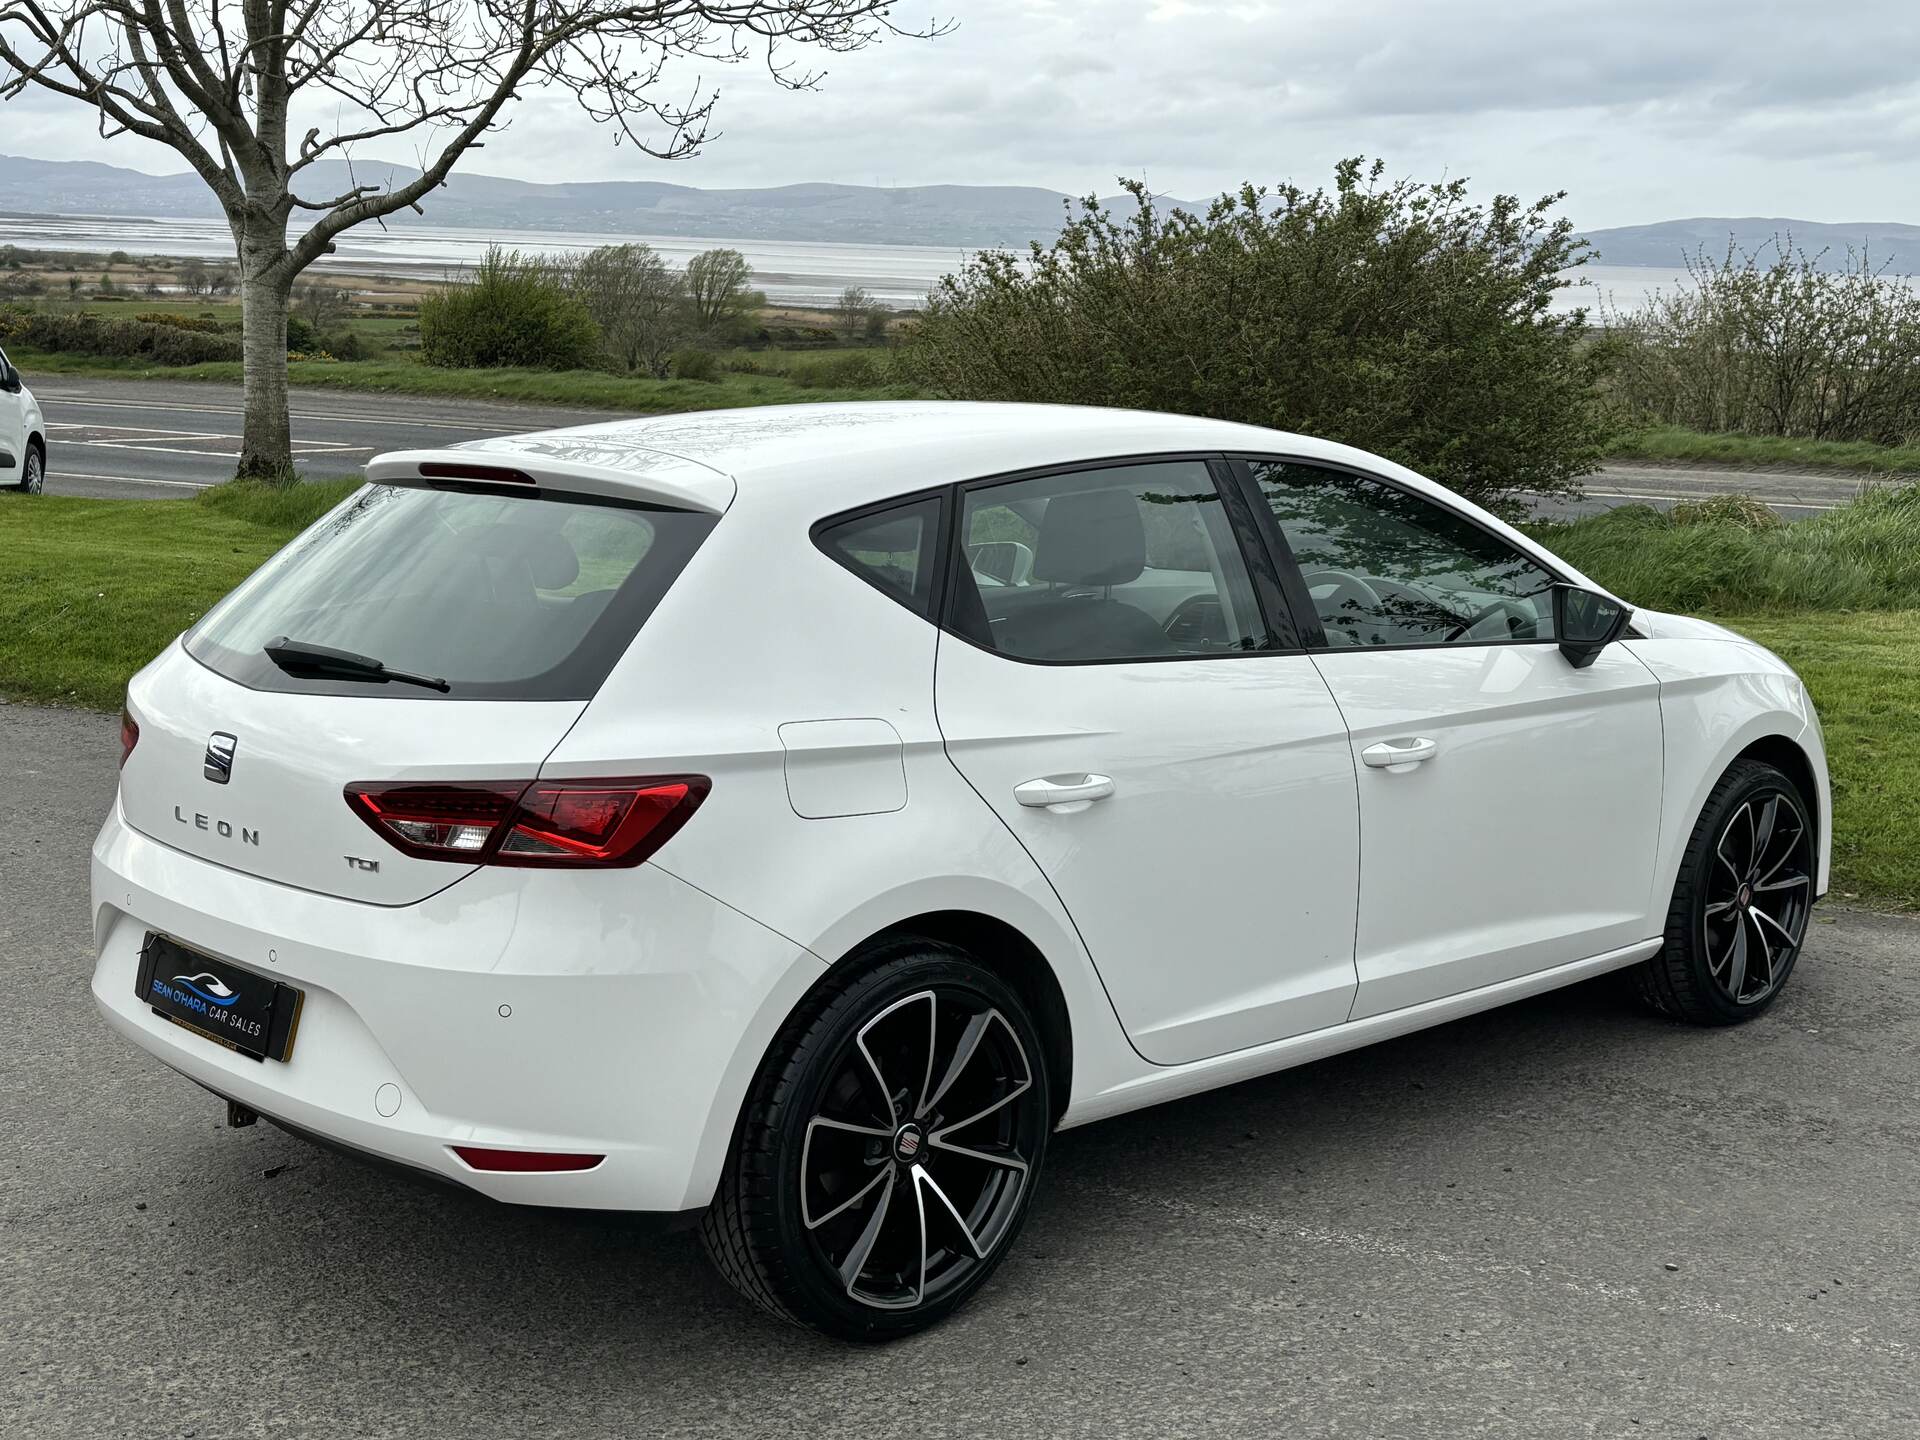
{"points": [[1786, 756], [1000, 947], [1783, 740]]}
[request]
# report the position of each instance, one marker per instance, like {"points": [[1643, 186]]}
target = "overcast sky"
{"points": [[1642, 109]]}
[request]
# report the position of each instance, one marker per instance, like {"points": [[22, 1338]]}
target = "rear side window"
{"points": [[894, 549], [1128, 562], [506, 597]]}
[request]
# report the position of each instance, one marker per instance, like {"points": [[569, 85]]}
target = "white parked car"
{"points": [[23, 434], [668, 815]]}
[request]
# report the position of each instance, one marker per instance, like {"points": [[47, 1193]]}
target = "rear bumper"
{"points": [[619, 1013]]}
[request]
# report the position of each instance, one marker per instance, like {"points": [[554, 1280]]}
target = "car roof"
{"points": [[816, 460], [838, 456]]}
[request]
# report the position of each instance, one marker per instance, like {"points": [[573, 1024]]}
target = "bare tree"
{"points": [[639, 302], [227, 83], [192, 275], [851, 311], [322, 304], [717, 291]]}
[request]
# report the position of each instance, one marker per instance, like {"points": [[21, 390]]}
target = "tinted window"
{"points": [[891, 549], [1134, 562], [507, 597], [1385, 567]]}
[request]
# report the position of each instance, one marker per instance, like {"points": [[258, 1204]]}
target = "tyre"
{"points": [[33, 475], [1741, 904], [887, 1153]]}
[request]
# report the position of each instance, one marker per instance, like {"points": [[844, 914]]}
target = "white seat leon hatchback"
{"points": [[787, 819]]}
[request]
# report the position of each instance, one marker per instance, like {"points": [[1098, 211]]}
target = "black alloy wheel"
{"points": [[887, 1156], [1742, 903]]}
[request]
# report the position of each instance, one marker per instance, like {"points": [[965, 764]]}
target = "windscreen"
{"points": [[511, 597]]}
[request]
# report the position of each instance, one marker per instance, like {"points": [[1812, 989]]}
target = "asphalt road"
{"points": [[1559, 1219], [152, 439]]}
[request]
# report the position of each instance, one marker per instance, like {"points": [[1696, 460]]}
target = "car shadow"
{"points": [[411, 1260]]}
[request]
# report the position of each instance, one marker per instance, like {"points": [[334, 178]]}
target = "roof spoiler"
{"points": [[648, 477]]}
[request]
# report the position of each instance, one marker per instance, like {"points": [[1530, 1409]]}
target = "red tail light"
{"points": [[524, 1162], [531, 823], [129, 736]]}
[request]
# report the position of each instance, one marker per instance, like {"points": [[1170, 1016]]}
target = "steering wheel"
{"points": [[1192, 610], [1346, 587], [1512, 609]]}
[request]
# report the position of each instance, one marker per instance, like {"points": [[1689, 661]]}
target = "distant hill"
{"points": [[1668, 242], [962, 216], [957, 215]]}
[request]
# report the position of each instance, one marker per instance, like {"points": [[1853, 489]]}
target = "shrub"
{"points": [[1785, 348], [514, 311], [300, 335], [1391, 315], [200, 324], [696, 365], [344, 345], [134, 339]]}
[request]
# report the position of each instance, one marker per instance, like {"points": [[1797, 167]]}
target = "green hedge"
{"points": [[93, 335]]}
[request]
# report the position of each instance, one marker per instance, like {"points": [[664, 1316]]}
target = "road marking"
{"points": [[212, 444], [480, 428], [1706, 495], [133, 480]]}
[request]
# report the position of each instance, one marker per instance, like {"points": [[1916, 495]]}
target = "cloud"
{"points": [[1643, 109]]}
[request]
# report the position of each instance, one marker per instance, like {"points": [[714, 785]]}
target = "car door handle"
{"points": [[1400, 754], [1063, 794]]}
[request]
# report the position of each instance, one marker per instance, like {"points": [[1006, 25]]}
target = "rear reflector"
{"points": [[525, 1162], [539, 823], [129, 736]]}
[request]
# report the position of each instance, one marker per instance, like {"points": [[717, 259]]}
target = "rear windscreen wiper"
{"points": [[298, 657]]}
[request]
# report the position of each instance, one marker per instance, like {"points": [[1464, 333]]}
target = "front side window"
{"points": [[1386, 567], [1129, 562], [506, 597]]}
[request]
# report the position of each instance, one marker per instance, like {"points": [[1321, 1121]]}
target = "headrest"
{"points": [[1091, 537], [550, 561]]}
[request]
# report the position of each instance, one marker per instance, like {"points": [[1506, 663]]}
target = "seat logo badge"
{"points": [[907, 1143], [218, 766]]}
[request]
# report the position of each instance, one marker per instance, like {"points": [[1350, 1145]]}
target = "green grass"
{"points": [[1863, 671], [90, 590], [1862, 556], [584, 389], [1671, 444]]}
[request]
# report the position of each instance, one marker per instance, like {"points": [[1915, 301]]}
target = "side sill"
{"points": [[1176, 1082]]}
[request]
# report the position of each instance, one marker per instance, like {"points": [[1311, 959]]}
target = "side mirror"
{"points": [[9, 378], [1585, 622]]}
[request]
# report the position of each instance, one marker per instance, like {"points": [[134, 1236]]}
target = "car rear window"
{"points": [[506, 597]]}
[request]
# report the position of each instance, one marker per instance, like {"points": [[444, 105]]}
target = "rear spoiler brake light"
{"points": [[612, 471]]}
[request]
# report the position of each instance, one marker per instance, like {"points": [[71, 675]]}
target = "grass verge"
{"points": [[1864, 674], [90, 590], [1735, 558], [582, 389], [1673, 445]]}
